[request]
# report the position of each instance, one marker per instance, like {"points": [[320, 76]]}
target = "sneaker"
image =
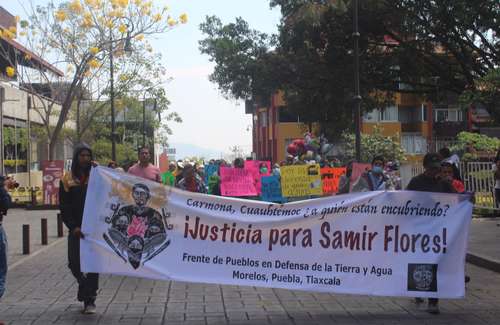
{"points": [[433, 309], [89, 309]]}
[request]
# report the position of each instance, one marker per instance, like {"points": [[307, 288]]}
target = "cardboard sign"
{"points": [[271, 189], [254, 167], [330, 179], [52, 173], [301, 180], [210, 170], [237, 182], [213, 181]]}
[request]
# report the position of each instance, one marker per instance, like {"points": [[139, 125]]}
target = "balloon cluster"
{"points": [[309, 148]]}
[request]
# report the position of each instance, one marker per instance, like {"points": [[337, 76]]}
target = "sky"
{"points": [[211, 124]]}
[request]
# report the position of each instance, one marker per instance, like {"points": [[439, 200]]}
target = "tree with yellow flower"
{"points": [[78, 36]]}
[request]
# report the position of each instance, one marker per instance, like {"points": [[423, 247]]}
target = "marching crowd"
{"points": [[441, 174]]}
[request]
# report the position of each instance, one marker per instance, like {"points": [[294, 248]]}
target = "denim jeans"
{"points": [[3, 260]]}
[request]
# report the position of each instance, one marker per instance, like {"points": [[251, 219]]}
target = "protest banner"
{"points": [[254, 167], [271, 189], [374, 243], [330, 179], [301, 180], [237, 182]]}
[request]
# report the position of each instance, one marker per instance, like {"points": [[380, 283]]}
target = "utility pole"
{"points": [[357, 95]]}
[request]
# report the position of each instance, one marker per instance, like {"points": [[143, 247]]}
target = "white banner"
{"points": [[374, 243]]}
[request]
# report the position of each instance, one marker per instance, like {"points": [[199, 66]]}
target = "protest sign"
{"points": [[301, 180], [374, 243], [330, 179], [52, 171], [254, 167], [358, 169], [210, 170], [213, 182], [271, 189], [237, 182]]}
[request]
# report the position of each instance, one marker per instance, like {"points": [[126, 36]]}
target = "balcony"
{"points": [[448, 129]]}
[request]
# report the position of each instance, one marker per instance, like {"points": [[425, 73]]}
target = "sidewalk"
{"points": [[13, 224], [484, 243], [41, 290]]}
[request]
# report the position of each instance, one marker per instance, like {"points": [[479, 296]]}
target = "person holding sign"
{"points": [[374, 179], [72, 194], [191, 181], [430, 181]]}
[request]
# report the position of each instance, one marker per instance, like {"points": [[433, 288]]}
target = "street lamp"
{"points": [[127, 48], [357, 95]]}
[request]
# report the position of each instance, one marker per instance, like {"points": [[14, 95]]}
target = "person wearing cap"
{"points": [[168, 177], [430, 181], [374, 179], [144, 168]]}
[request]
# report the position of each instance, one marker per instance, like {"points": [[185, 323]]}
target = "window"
{"points": [[390, 113], [371, 116], [448, 115], [413, 143]]}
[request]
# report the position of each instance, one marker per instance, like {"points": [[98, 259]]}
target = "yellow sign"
{"points": [[301, 180]]}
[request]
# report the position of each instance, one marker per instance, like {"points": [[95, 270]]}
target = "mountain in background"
{"points": [[184, 150]]}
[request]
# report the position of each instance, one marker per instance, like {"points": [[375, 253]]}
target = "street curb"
{"points": [[484, 262]]}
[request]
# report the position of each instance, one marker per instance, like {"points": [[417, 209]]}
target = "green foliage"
{"points": [[471, 145], [311, 58], [486, 91], [125, 153], [372, 145], [11, 138]]}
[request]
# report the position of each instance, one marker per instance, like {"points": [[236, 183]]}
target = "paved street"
{"points": [[42, 291]]}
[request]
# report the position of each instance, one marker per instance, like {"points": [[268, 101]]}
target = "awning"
{"points": [[35, 61]]}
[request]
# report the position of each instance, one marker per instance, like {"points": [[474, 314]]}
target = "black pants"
{"points": [[497, 198], [88, 283]]}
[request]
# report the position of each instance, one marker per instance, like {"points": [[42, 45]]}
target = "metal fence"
{"points": [[478, 178]]}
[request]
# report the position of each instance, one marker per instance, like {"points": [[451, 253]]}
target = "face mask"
{"points": [[377, 170], [263, 170]]}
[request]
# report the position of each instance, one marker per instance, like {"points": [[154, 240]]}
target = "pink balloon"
{"points": [[292, 149]]}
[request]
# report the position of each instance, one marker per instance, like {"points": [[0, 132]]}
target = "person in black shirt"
{"points": [[430, 181], [72, 194]]}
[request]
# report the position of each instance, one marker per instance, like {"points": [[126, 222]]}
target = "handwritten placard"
{"points": [[254, 167], [237, 182], [301, 180], [271, 189], [330, 179]]}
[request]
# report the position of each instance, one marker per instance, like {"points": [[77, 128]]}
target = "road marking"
{"points": [[41, 250]]}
